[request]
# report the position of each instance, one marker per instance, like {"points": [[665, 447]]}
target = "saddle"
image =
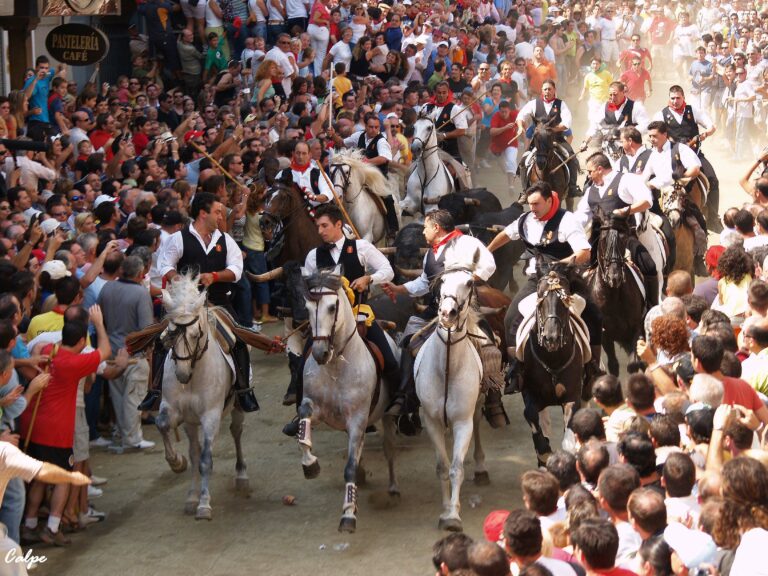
{"points": [[527, 308], [378, 201]]}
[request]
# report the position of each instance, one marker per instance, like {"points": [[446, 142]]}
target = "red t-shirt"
{"points": [[661, 30], [99, 138], [55, 422], [140, 141], [626, 57], [635, 83], [616, 571], [738, 391], [501, 141]]}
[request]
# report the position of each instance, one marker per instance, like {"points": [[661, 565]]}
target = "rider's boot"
{"points": [[573, 173], [494, 409], [592, 370], [155, 392], [295, 366], [393, 225], [244, 395], [514, 373], [403, 397], [651, 284]]}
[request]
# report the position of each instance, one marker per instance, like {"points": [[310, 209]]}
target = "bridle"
{"points": [[330, 338], [427, 151], [553, 286], [180, 331], [673, 199], [615, 256], [282, 222], [346, 173], [461, 307]]}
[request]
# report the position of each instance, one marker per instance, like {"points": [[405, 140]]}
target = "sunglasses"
{"points": [[58, 214], [75, 198]]}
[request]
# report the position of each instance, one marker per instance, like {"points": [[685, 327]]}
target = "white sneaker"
{"points": [[144, 445], [100, 442], [256, 327], [91, 517], [97, 480], [94, 492]]}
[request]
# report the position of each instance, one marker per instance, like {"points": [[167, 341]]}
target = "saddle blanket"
{"points": [[527, 308]]}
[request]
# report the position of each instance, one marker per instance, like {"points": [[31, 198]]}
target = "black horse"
{"points": [[547, 165], [613, 288], [553, 367]]}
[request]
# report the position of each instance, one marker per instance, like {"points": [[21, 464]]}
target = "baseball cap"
{"points": [[392, 115], [101, 198], [493, 525], [56, 269], [192, 134], [443, 44], [684, 369], [48, 226], [693, 547]]}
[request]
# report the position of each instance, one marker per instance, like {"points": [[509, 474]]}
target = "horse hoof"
{"points": [[312, 471], [242, 485], [180, 465], [482, 478], [204, 513], [348, 524], [360, 476], [450, 525], [190, 507]]}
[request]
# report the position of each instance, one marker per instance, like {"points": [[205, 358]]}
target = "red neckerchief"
{"points": [[449, 100], [679, 110], [555, 206], [300, 167], [548, 101], [447, 238], [615, 107]]}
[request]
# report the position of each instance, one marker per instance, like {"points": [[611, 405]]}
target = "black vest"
{"points": [[349, 260], [194, 259], [314, 178], [626, 115], [678, 169], [372, 150], [683, 131], [451, 146], [610, 200], [549, 245], [541, 114], [639, 164]]}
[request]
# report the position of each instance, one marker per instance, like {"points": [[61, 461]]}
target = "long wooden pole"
{"points": [[464, 109], [338, 201], [219, 166]]}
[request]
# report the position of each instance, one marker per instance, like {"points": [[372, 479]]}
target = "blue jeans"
{"points": [[273, 31], [236, 44], [12, 509], [256, 263], [258, 30]]}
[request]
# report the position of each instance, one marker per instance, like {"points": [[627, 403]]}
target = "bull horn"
{"points": [[471, 202], [388, 250], [409, 272], [420, 308], [386, 324], [431, 200], [488, 311], [267, 276]]}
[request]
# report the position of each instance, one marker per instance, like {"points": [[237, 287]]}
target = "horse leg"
{"points": [[462, 436], [193, 494], [210, 427], [308, 460], [540, 440], [610, 351], [356, 431], [436, 432], [236, 429], [389, 453], [481, 474], [166, 421]]}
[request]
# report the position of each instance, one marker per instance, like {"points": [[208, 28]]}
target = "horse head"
{"points": [[542, 141], [610, 142], [673, 199], [187, 333], [424, 136], [552, 309], [329, 311], [612, 245], [283, 201]]}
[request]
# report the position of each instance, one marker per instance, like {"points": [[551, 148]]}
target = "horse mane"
{"points": [[184, 296], [373, 179], [324, 278]]}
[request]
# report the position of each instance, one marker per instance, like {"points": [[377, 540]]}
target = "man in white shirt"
{"points": [[620, 111], [31, 170], [450, 122], [297, 13], [608, 41], [743, 100], [670, 163], [636, 154], [306, 175], [614, 487]]}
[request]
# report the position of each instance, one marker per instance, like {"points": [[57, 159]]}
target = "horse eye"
{"points": [[332, 308]]}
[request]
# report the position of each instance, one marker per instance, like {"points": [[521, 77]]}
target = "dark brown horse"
{"points": [[553, 367], [286, 221], [548, 163], [614, 290]]}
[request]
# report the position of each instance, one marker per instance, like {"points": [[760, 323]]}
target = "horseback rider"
{"points": [[306, 175], [672, 163], [377, 153], [620, 111], [449, 248], [364, 266], [201, 247], [620, 194], [449, 119], [636, 154], [553, 233], [683, 121], [548, 108]]}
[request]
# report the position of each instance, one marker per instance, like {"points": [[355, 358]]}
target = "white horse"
{"points": [[197, 391], [448, 374], [429, 179], [340, 387], [357, 182]]}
